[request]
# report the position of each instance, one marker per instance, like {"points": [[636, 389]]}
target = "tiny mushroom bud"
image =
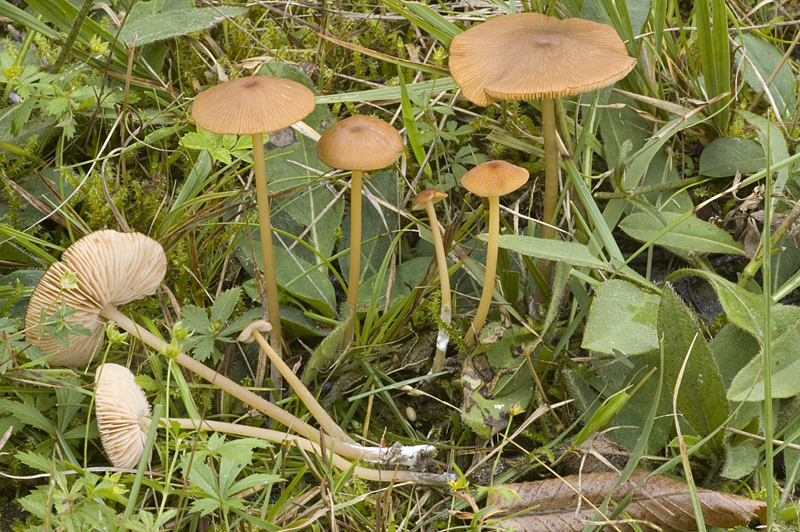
{"points": [[491, 179], [425, 200]]}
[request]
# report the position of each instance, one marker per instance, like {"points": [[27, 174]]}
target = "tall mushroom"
{"points": [[123, 420], [425, 200], [112, 268], [525, 56], [491, 179], [359, 144], [252, 106]]}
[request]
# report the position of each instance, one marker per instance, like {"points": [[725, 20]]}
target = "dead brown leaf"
{"points": [[661, 501]]}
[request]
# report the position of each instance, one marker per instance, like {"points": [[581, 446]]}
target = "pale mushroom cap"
{"points": [[494, 178], [246, 336], [360, 143], [122, 414], [111, 268], [256, 104], [525, 56], [429, 194]]}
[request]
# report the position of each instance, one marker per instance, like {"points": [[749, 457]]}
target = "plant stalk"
{"points": [[491, 271], [267, 253], [550, 178], [355, 255], [444, 278]]}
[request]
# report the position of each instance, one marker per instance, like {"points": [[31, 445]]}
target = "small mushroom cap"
{"points": [[525, 56], [434, 195], [246, 336], [122, 414], [494, 178], [256, 104], [360, 143], [111, 268]]}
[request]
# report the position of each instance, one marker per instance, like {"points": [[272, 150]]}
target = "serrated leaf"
{"points": [[691, 235], [622, 318], [36, 461], [727, 156], [196, 319], [225, 304], [28, 414], [701, 396]]}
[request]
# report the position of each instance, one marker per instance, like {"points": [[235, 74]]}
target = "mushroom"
{"points": [[358, 143], [425, 200], [252, 106], [123, 414], [524, 56], [118, 267], [123, 420], [491, 179]]}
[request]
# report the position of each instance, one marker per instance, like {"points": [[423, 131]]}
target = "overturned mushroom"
{"points": [[123, 421]]}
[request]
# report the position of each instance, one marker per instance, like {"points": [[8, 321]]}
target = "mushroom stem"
{"points": [[319, 413], [444, 279], [267, 253], [491, 270], [355, 254], [550, 178], [314, 447], [403, 456]]}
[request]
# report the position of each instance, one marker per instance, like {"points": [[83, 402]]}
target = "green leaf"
{"points": [[766, 58], [727, 156], [745, 310], [495, 377], [622, 318], [691, 235], [225, 304], [28, 414], [749, 383], [701, 395], [149, 28], [777, 144], [741, 460], [196, 319], [328, 350], [571, 253]]}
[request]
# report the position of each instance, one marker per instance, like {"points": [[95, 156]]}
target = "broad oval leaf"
{"points": [[691, 235], [726, 156], [623, 318]]}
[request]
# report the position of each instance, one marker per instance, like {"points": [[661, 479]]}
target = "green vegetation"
{"points": [[669, 327]]}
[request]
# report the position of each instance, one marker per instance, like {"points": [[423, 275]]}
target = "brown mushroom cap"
{"points": [[525, 56], [494, 178], [360, 143], [433, 194], [122, 414], [256, 104], [111, 268]]}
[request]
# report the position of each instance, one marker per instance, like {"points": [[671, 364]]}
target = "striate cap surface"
{"points": [[256, 104], [360, 142], [494, 178], [525, 56]]}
